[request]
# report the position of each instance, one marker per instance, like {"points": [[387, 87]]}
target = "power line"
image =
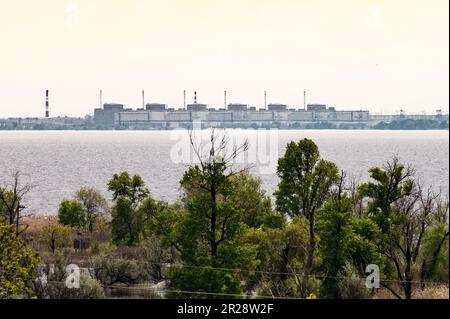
{"points": [[198, 292], [283, 273]]}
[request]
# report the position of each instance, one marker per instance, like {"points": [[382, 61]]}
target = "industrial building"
{"points": [[159, 116], [105, 115], [156, 107], [277, 107]]}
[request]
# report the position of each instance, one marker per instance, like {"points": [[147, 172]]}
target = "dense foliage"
{"points": [[225, 237], [18, 264]]}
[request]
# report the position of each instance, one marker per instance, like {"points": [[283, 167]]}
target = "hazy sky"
{"points": [[381, 55]]}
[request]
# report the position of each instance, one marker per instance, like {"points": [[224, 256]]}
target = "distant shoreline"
{"points": [[396, 125], [245, 128]]}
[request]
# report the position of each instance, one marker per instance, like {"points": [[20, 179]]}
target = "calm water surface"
{"points": [[57, 163]]}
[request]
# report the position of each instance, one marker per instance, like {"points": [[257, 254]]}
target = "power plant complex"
{"points": [[158, 115]]}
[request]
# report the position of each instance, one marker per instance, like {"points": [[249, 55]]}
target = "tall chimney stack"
{"points": [[47, 112], [304, 100], [143, 99], [225, 99], [184, 99], [265, 100]]}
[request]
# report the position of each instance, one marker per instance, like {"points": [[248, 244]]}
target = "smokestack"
{"points": [[225, 99], [184, 99], [304, 100], [265, 100], [143, 99], [47, 112]]}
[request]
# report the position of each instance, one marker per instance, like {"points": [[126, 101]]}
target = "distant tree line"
{"points": [[410, 124], [404, 124]]}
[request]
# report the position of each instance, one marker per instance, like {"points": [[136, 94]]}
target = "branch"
{"points": [[391, 290]]}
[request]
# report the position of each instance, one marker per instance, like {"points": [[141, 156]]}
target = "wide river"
{"points": [[58, 163]]}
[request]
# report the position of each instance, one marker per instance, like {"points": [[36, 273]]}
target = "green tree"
{"points": [[127, 222], [94, 204], [406, 215], [255, 205], [163, 220], [128, 217], [305, 184], [435, 254], [210, 235], [18, 264], [391, 183], [72, 213], [334, 227], [347, 243], [281, 254], [132, 188]]}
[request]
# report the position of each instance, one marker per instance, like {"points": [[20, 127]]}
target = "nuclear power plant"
{"points": [[159, 115]]}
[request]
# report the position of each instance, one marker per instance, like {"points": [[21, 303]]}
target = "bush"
{"points": [[90, 288], [51, 283], [351, 286], [112, 270], [56, 236]]}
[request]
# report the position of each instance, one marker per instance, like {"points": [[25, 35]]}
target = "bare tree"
{"points": [[11, 198], [412, 217]]}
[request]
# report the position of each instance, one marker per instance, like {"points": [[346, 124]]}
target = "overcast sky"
{"points": [[381, 55]]}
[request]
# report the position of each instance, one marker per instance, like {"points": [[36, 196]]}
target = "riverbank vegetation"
{"points": [[408, 124], [226, 238]]}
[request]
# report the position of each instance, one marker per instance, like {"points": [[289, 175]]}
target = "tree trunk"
{"points": [[52, 241], [309, 261], [284, 262], [213, 224], [407, 284]]}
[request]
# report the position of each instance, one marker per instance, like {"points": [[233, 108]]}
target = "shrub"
{"points": [[112, 270], [351, 286], [55, 236], [18, 264]]}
